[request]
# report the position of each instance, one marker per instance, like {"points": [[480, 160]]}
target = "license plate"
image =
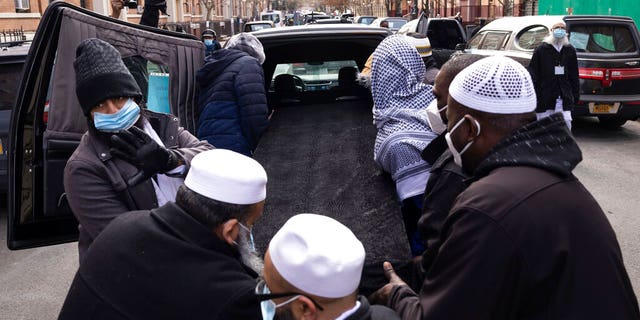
{"points": [[602, 108]]}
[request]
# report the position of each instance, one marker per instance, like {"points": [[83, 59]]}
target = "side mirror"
{"points": [[461, 46]]}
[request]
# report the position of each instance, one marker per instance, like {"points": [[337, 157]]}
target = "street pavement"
{"points": [[34, 282]]}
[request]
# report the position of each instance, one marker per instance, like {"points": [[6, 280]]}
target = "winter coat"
{"points": [[525, 240], [372, 312], [446, 182], [161, 264], [232, 103], [95, 182], [550, 86]]}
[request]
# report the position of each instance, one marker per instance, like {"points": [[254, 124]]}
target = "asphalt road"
{"points": [[34, 282]]}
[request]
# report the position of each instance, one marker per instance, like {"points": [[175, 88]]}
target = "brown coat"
{"points": [[94, 181]]}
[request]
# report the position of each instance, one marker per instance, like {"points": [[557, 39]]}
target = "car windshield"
{"points": [[396, 24], [367, 20], [326, 71], [602, 39]]}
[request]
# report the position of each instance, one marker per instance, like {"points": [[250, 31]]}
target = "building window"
{"points": [[22, 5]]}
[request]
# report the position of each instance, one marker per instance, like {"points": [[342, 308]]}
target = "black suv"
{"points": [[12, 58], [608, 58]]}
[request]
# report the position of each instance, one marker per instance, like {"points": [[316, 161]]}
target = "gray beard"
{"points": [[249, 257], [550, 39]]}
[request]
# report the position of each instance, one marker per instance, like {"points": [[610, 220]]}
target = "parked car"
{"points": [[12, 58], [319, 145], [257, 25], [394, 23], [608, 49], [364, 19]]}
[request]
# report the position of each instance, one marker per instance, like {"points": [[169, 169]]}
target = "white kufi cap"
{"points": [[318, 255], [227, 176], [496, 84]]}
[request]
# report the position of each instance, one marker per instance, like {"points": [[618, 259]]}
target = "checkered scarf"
{"points": [[400, 100]]}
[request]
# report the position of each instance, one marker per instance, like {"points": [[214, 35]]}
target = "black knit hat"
{"points": [[101, 74]]}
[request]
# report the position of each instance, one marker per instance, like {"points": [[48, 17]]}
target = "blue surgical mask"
{"points": [[457, 156], [208, 42], [121, 120], [268, 307], [559, 33]]}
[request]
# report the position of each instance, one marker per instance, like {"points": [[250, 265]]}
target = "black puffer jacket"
{"points": [[232, 104], [525, 240]]}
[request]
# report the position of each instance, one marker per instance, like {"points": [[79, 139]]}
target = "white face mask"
{"points": [[434, 118], [457, 156]]}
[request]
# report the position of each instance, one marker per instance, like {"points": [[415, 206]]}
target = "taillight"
{"points": [[606, 76]]}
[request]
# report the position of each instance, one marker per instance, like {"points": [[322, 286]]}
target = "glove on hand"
{"points": [[137, 148]]}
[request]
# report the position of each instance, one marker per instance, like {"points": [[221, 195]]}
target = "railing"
{"points": [[12, 37]]}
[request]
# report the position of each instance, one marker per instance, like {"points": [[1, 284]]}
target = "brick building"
{"points": [[25, 14]]}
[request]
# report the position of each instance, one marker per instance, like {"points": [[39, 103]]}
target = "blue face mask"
{"points": [[121, 120], [559, 33], [208, 42]]}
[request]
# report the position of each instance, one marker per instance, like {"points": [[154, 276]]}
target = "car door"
{"points": [[47, 123]]}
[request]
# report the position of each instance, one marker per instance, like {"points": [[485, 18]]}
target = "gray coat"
{"points": [[95, 182]]}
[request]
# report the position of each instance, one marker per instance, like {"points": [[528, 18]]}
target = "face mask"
{"points": [[559, 33], [121, 120], [268, 307], [457, 156], [208, 42], [251, 243], [434, 118]]}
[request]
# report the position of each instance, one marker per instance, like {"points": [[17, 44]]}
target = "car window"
{"points": [[531, 37], [326, 71], [474, 43], [493, 40], [602, 39], [10, 76], [396, 24], [366, 20]]}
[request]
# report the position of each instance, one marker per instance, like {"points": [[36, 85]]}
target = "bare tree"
{"points": [[210, 6], [507, 7]]}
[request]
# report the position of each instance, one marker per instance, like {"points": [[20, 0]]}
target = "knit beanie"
{"points": [[101, 74], [248, 43]]}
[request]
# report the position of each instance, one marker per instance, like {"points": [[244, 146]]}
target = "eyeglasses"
{"points": [[265, 297]]}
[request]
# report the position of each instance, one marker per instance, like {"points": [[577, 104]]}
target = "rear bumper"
{"points": [[629, 107]]}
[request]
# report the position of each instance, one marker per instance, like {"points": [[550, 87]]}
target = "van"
{"points": [[276, 16]]}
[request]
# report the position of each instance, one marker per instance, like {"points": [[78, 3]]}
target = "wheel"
{"points": [[611, 123]]}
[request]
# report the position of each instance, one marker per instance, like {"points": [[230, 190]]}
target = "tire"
{"points": [[611, 123]]}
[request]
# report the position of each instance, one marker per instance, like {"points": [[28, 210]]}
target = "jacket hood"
{"points": [[216, 63], [546, 144]]}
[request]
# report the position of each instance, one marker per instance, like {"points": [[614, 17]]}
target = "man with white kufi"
{"points": [[525, 239], [190, 259], [312, 271]]}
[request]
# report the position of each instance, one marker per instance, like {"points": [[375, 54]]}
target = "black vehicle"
{"points": [[12, 58], [608, 50], [319, 142], [46, 125]]}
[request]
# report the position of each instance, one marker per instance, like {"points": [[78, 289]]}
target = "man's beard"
{"points": [[550, 39], [248, 256]]}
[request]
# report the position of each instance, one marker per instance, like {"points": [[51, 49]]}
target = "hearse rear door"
{"points": [[47, 123]]}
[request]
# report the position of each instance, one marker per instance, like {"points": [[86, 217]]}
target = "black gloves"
{"points": [[137, 148]]}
